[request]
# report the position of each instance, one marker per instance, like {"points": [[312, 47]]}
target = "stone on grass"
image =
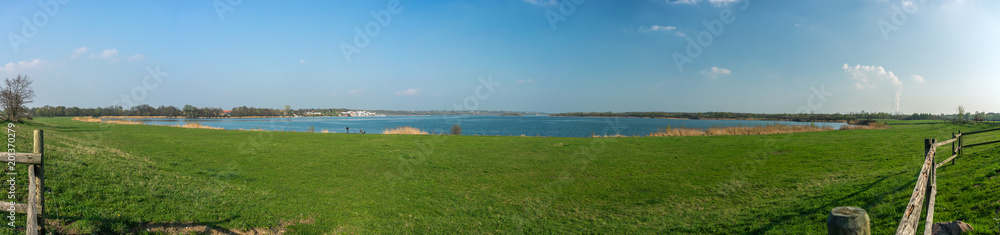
{"points": [[951, 228]]}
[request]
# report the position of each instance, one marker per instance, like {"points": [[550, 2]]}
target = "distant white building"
{"points": [[359, 113]]}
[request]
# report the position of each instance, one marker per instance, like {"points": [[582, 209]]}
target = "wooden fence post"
{"points": [[848, 221], [954, 151], [36, 182], [911, 215], [927, 147], [932, 195]]}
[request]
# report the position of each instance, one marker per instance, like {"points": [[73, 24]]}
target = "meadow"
{"points": [[113, 178]]}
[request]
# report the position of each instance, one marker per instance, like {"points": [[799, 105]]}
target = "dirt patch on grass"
{"points": [[998, 207], [61, 227], [188, 228]]}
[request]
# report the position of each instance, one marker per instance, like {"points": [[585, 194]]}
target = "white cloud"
{"points": [[79, 52], [684, 1], [917, 78], [722, 3], [23, 66], [659, 85], [109, 53], [865, 75], [715, 72], [302, 61], [408, 92], [543, 2], [524, 81], [656, 28], [907, 4], [136, 57], [356, 91], [681, 34], [716, 3]]}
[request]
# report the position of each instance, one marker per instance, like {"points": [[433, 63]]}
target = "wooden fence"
{"points": [[35, 208], [926, 187]]}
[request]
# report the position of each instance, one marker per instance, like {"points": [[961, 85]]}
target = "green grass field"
{"points": [[108, 178]]}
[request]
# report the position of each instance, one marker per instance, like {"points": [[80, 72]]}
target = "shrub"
{"points": [[740, 130], [867, 126], [456, 130], [404, 130]]}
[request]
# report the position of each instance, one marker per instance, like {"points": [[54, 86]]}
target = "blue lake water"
{"points": [[474, 125]]}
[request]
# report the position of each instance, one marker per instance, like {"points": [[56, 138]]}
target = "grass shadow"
{"points": [[825, 207], [110, 225]]}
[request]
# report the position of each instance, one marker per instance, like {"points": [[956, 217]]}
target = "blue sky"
{"points": [[547, 55]]}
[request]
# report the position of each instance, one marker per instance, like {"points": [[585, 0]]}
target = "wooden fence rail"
{"points": [[982, 131], [35, 208], [926, 186], [911, 216]]}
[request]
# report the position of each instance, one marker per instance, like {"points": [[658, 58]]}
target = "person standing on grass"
{"points": [[348, 130]]}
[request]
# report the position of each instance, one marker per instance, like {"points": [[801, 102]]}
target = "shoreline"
{"points": [[181, 117], [671, 118], [775, 128], [177, 117], [723, 119]]}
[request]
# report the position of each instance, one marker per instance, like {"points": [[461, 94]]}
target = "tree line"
{"points": [[16, 92], [802, 117], [188, 111]]}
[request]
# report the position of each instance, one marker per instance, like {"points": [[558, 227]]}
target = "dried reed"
{"points": [[404, 130]]}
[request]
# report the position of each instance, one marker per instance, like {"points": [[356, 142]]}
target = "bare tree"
{"points": [[961, 113], [15, 95]]}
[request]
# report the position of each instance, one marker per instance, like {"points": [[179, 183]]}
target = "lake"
{"points": [[474, 125]]}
